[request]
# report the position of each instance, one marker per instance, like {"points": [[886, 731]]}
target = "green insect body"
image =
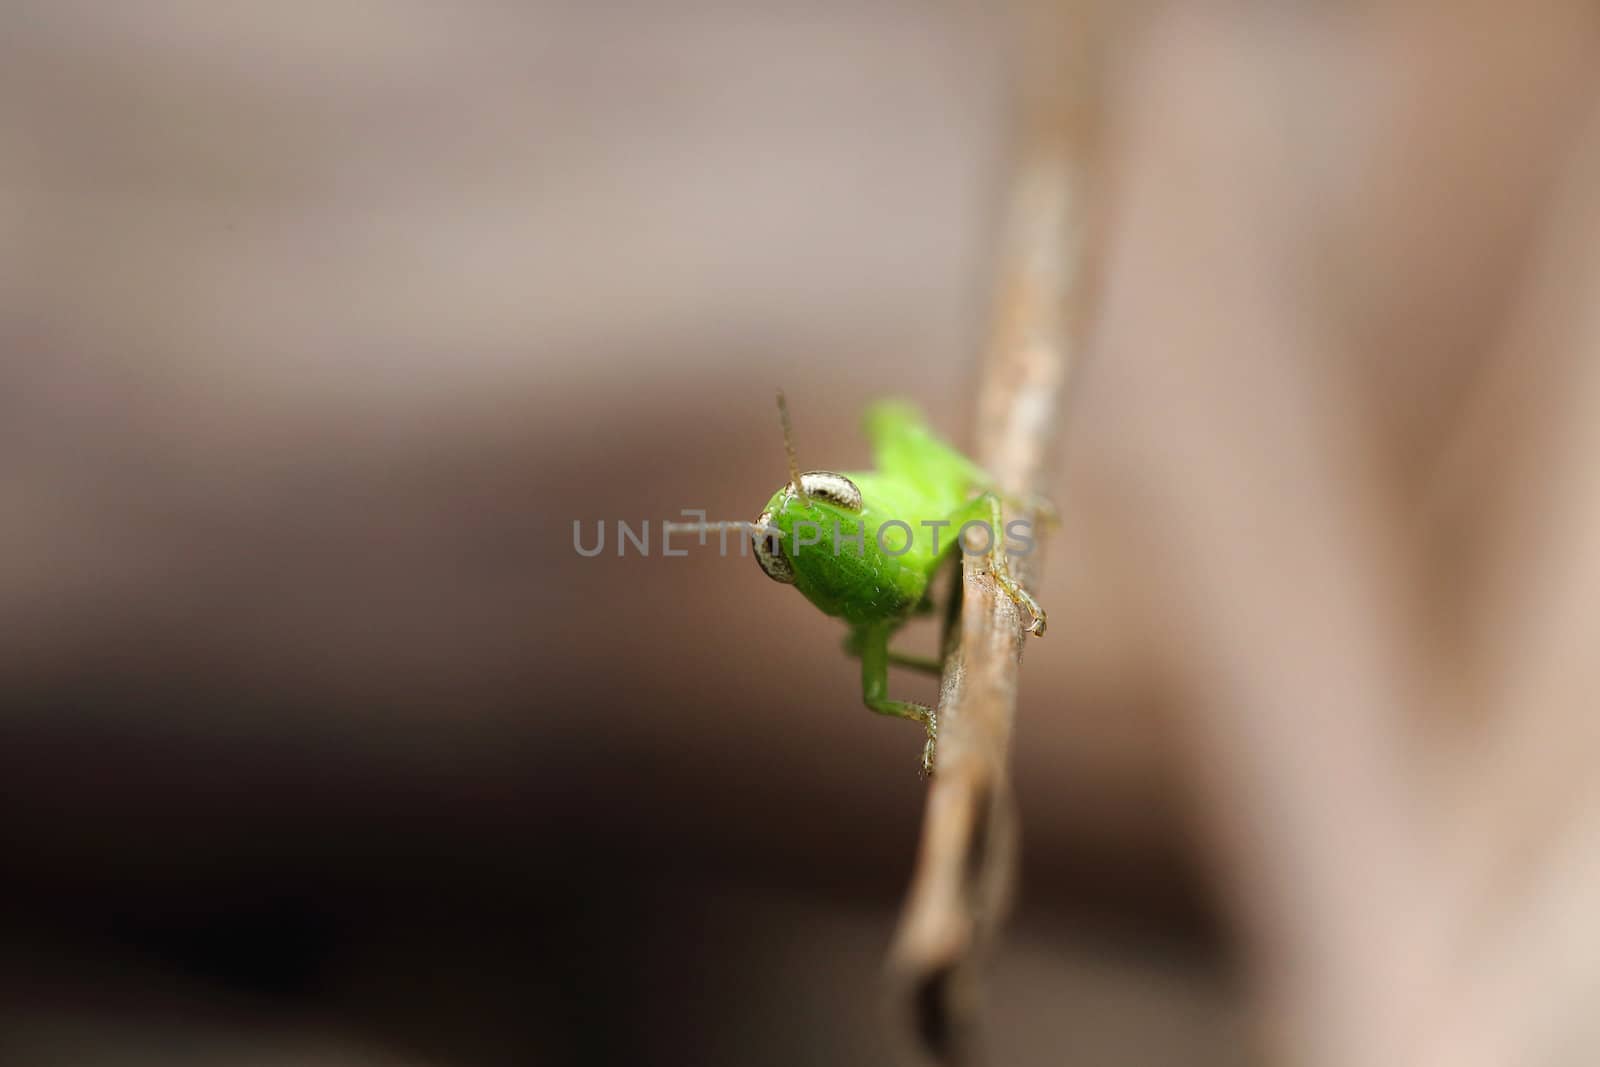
{"points": [[866, 545], [876, 574]]}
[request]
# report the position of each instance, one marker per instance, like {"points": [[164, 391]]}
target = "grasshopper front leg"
{"points": [[925, 664], [985, 506], [1001, 570], [871, 643]]}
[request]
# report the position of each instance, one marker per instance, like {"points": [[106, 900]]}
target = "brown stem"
{"points": [[961, 888]]}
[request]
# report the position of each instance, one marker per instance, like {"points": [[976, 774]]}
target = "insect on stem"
{"points": [[788, 448]]}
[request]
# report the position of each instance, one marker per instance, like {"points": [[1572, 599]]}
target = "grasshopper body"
{"points": [[865, 545]]}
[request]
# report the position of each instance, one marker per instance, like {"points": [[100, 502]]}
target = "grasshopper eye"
{"points": [[836, 489], [767, 540]]}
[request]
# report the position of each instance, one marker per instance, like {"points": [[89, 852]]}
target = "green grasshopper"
{"points": [[838, 539]]}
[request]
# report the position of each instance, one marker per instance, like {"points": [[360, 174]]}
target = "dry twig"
{"points": [[961, 888]]}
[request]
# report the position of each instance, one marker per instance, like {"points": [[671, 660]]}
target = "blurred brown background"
{"points": [[321, 324]]}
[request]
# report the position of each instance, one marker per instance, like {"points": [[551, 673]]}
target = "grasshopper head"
{"points": [[816, 497], [817, 536], [823, 540], [798, 502]]}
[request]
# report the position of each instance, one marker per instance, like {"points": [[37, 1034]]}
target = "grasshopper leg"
{"points": [[949, 630], [926, 664], [871, 643], [1002, 571]]}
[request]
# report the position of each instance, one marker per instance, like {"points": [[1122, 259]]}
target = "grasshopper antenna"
{"points": [[705, 527], [743, 529], [788, 448]]}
